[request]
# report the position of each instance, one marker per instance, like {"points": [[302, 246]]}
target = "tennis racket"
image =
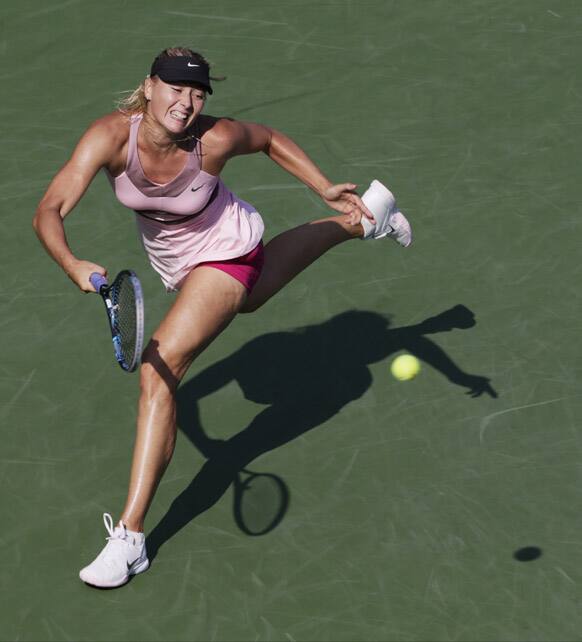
{"points": [[124, 304]]}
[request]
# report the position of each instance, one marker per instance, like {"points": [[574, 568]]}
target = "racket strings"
{"points": [[123, 298]]}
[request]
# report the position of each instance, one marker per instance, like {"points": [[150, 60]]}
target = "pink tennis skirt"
{"points": [[245, 269]]}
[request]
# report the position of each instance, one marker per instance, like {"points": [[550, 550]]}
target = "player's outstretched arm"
{"points": [[66, 189], [340, 197], [248, 138]]}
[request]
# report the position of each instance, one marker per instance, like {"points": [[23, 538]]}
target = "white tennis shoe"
{"points": [[390, 221], [124, 555]]}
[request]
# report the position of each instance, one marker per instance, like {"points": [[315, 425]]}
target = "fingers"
{"points": [[348, 187], [352, 205], [89, 270], [87, 286], [334, 192], [345, 187], [366, 211], [354, 217], [343, 198], [81, 273], [359, 203], [357, 210]]}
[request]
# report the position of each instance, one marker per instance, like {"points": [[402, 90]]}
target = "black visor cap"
{"points": [[182, 69]]}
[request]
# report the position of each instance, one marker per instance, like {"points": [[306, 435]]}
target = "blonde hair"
{"points": [[136, 102]]}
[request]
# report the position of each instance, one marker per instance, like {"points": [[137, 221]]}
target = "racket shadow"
{"points": [[260, 501], [323, 371]]}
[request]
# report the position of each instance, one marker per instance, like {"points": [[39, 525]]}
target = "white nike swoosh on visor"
{"points": [[191, 65]]}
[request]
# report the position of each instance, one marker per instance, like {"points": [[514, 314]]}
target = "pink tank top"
{"points": [[192, 219]]}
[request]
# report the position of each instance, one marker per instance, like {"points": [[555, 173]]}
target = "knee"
{"points": [[158, 377], [154, 385]]}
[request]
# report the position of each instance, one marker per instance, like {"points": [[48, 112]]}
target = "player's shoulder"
{"points": [[112, 128], [221, 130]]}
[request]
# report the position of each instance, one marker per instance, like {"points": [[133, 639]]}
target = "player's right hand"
{"points": [[343, 198], [80, 271]]}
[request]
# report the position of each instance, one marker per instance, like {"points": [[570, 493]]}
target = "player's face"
{"points": [[175, 106]]}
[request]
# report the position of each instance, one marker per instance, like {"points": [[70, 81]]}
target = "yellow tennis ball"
{"points": [[405, 367]]}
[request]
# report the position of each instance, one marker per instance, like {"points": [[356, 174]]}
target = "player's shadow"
{"points": [[304, 378]]}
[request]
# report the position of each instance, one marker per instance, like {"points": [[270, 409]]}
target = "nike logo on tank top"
{"points": [[194, 218]]}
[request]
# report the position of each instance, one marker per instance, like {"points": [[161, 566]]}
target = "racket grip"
{"points": [[98, 281]]}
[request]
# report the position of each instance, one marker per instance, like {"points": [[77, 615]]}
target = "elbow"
{"points": [[35, 223], [45, 212], [269, 135], [36, 220]]}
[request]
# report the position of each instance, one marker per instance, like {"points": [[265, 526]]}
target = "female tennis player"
{"points": [[164, 157]]}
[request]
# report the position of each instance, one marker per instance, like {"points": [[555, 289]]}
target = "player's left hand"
{"points": [[343, 198]]}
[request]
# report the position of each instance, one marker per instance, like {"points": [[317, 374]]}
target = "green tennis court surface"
{"points": [[392, 511]]}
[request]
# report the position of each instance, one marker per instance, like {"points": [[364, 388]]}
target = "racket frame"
{"points": [[103, 288]]}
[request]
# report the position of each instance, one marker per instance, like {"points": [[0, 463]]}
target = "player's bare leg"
{"points": [[291, 252], [206, 304]]}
